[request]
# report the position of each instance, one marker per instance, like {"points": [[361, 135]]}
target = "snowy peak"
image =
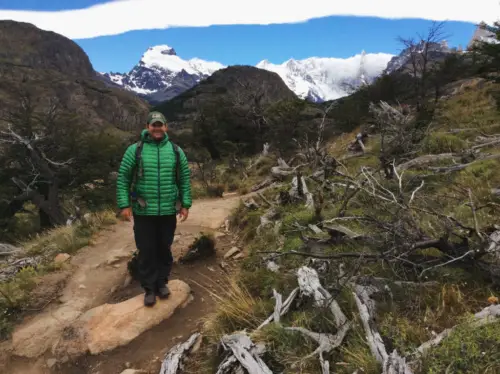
{"points": [[324, 78], [161, 74], [164, 57]]}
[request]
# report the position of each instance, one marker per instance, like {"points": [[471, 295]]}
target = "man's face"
{"points": [[157, 130]]}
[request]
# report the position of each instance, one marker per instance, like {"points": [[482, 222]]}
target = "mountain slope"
{"points": [[227, 84], [56, 68], [161, 75], [321, 79]]}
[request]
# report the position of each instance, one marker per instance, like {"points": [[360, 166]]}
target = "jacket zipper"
{"points": [[159, 195]]}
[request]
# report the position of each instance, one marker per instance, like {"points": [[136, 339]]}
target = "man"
{"points": [[148, 188]]}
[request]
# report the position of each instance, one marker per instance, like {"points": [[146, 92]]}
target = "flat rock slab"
{"points": [[109, 326]]}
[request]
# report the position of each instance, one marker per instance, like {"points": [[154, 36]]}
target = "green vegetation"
{"points": [[420, 232]]}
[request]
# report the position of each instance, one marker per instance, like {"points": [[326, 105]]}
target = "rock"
{"points": [[132, 371], [33, 339], [239, 256], [110, 326], [61, 257], [231, 252], [51, 362]]}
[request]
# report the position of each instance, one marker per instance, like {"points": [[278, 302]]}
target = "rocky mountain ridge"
{"points": [[161, 74]]}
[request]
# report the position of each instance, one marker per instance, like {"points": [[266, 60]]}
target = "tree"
{"points": [[28, 140], [420, 51], [49, 156]]}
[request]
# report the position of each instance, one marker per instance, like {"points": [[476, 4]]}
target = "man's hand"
{"points": [[183, 214], [126, 214]]}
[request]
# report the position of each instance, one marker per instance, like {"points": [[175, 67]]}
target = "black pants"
{"points": [[153, 238]]}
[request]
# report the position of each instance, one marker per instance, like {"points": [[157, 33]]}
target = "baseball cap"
{"points": [[156, 117]]}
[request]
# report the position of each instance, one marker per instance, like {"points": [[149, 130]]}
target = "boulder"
{"points": [[61, 257], [109, 326]]}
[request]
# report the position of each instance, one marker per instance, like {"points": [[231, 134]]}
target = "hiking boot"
{"points": [[163, 292], [149, 298]]}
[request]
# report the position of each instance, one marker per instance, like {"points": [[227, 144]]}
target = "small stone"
{"points": [[231, 252], [82, 287], [61, 257], [51, 362], [239, 256], [210, 268]]}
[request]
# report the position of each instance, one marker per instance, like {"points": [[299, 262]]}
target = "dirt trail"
{"points": [[98, 275]]}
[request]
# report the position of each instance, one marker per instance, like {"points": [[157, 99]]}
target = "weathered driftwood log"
{"points": [[281, 307], [251, 204], [173, 361], [310, 285], [427, 159], [245, 353], [8, 250], [300, 191], [267, 219], [487, 315], [391, 363], [494, 244], [10, 270]]}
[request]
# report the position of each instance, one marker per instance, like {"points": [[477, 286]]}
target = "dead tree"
{"points": [[43, 170], [26, 140], [419, 51]]}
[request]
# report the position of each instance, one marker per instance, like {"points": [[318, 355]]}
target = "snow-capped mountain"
{"points": [[161, 74], [319, 79]]}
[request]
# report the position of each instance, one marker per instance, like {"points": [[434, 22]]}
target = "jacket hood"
{"points": [[146, 137]]}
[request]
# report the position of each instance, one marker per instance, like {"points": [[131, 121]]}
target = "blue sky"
{"points": [[333, 36]]}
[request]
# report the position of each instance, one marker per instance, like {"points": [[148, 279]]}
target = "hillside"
{"points": [[234, 83], [57, 117], [51, 66], [236, 107], [376, 251]]}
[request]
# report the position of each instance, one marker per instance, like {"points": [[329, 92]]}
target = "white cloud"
{"points": [[121, 16]]}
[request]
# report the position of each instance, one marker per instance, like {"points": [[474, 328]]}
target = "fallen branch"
{"points": [[487, 315], [393, 363], [245, 352], [376, 256], [173, 361], [310, 285], [449, 169], [283, 308]]}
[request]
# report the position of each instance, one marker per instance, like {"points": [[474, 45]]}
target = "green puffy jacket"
{"points": [[158, 185]]}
